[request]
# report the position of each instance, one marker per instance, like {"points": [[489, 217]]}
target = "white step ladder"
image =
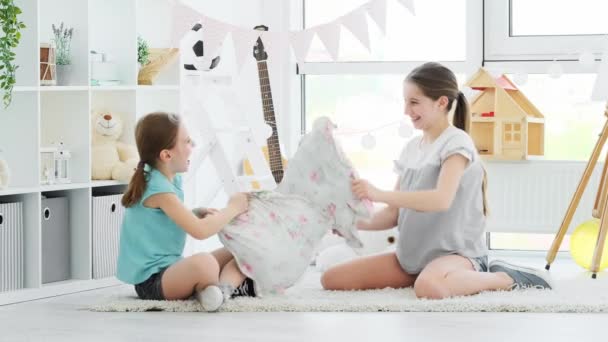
{"points": [[196, 90]]}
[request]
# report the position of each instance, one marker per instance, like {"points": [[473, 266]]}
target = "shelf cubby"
{"points": [[64, 118], [74, 14], [107, 35], [19, 139]]}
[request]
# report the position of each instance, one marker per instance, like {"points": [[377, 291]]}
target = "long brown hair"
{"points": [[154, 132], [435, 81]]}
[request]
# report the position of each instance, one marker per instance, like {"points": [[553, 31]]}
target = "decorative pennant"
{"points": [[300, 43], [184, 18], [330, 37], [356, 23], [274, 44], [214, 33], [243, 40], [409, 4], [377, 11]]}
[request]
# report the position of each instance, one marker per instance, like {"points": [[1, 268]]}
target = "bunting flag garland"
{"points": [[214, 32]]}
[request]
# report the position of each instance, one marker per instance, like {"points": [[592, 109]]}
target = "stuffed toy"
{"points": [[110, 158], [275, 240], [4, 174]]}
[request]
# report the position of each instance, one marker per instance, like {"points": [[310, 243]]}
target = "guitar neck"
{"points": [[274, 148]]}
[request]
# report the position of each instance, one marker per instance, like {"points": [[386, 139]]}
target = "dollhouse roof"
{"points": [[509, 101]]}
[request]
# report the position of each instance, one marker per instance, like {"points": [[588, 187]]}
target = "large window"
{"points": [[572, 121], [543, 29], [559, 17], [356, 104], [431, 34], [363, 91]]}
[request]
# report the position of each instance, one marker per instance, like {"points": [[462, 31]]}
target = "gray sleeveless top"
{"points": [[425, 236]]}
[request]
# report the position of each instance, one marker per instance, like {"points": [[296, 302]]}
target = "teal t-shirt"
{"points": [[149, 239]]}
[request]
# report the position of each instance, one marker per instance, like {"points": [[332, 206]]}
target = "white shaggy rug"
{"points": [[576, 294]]}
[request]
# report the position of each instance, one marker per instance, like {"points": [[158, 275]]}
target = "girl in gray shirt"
{"points": [[438, 205]]}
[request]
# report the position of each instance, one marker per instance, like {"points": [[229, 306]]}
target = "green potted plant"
{"points": [[11, 27], [143, 52], [62, 41]]}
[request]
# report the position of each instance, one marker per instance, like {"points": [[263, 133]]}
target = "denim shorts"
{"points": [[151, 289], [480, 264]]}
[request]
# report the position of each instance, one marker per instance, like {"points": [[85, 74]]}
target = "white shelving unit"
{"points": [[41, 115]]}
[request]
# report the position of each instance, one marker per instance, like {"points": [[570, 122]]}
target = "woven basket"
{"points": [[159, 59]]}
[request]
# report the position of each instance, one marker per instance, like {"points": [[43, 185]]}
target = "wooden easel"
{"points": [[600, 208]]}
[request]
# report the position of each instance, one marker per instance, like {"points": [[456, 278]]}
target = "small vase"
{"points": [[64, 73]]}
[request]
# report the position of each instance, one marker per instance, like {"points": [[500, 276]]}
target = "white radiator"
{"points": [[533, 196], [11, 246], [107, 218]]}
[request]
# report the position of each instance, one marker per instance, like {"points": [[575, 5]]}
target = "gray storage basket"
{"points": [[11, 246], [107, 219], [55, 240]]}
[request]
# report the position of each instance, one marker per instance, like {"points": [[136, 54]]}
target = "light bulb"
{"points": [[520, 77], [368, 141], [586, 59], [262, 133], [555, 70]]}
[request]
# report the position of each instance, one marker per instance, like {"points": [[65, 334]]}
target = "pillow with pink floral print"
{"points": [[321, 172]]}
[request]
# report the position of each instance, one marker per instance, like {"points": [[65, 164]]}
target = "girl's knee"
{"points": [[431, 288], [330, 280], [205, 263]]}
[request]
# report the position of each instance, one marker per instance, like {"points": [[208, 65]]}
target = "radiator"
{"points": [[533, 196], [11, 246], [107, 218]]}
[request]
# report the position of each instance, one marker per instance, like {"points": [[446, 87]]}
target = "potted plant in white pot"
{"points": [[11, 26], [62, 41], [143, 53]]}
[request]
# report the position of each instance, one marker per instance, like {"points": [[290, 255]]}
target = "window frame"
{"points": [[500, 45]]}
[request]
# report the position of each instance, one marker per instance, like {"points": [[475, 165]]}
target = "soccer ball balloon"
{"points": [[193, 49]]}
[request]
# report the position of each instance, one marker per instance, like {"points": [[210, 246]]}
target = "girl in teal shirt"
{"points": [[153, 232]]}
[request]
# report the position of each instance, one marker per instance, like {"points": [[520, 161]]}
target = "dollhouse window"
{"points": [[512, 132]]}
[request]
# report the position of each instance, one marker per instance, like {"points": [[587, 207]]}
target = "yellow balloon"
{"points": [[582, 244]]}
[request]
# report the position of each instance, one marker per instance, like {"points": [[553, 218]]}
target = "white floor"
{"points": [[64, 319]]}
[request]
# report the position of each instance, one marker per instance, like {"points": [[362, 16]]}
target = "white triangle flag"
{"points": [[183, 18], [300, 43], [356, 23], [274, 44], [409, 4], [244, 41], [377, 11], [213, 35], [330, 36]]}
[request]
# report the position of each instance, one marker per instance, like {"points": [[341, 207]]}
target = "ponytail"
{"points": [[154, 132], [461, 114], [136, 188]]}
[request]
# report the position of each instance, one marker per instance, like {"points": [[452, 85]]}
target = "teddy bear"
{"points": [[110, 158], [4, 174]]}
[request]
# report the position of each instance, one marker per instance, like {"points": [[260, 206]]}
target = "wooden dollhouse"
{"points": [[504, 124]]}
